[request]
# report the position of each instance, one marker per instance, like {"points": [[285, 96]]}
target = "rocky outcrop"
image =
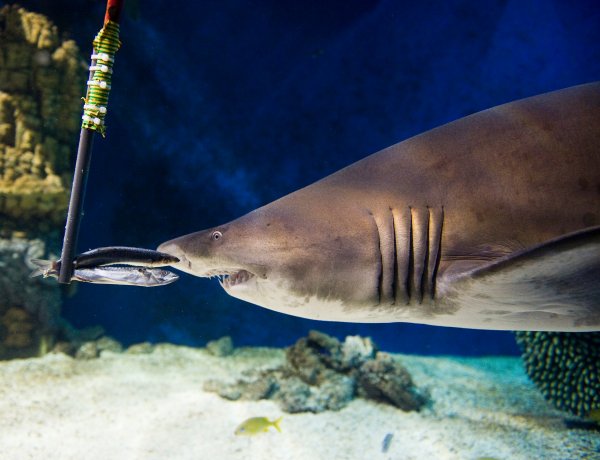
{"points": [[29, 309], [321, 373], [42, 79]]}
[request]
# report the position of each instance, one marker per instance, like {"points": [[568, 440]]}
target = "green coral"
{"points": [[42, 79], [565, 366]]}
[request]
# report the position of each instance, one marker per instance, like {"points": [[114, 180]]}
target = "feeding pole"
{"points": [[106, 45]]}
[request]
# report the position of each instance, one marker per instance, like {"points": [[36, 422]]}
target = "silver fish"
{"points": [[129, 276], [113, 255], [123, 255]]}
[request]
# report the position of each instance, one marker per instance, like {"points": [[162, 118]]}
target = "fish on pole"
{"points": [[106, 45]]}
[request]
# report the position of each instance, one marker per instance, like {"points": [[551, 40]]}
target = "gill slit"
{"points": [[394, 259], [436, 224], [380, 274], [386, 283], [426, 234], [419, 249], [409, 245], [410, 264]]}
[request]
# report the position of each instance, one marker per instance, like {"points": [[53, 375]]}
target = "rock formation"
{"points": [[42, 79], [321, 373]]}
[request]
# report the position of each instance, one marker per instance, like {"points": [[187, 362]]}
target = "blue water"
{"points": [[220, 107]]}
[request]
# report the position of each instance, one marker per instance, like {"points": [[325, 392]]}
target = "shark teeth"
{"points": [[235, 278], [230, 277]]}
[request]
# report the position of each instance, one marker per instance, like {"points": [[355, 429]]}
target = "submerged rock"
{"points": [[88, 350], [253, 390], [385, 379], [143, 348], [42, 79], [109, 344], [94, 349], [334, 393], [220, 347], [321, 373], [29, 309]]}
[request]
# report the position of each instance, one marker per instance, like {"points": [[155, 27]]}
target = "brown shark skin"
{"points": [[499, 181]]}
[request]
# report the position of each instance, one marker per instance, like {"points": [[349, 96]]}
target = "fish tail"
{"points": [[44, 267], [276, 424]]}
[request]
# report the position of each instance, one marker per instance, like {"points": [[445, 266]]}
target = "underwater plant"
{"points": [[565, 367]]}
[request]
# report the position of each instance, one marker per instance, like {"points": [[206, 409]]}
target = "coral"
{"points": [[321, 374], [220, 347], [41, 83], [357, 350], [565, 367]]}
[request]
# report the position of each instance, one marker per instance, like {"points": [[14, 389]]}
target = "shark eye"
{"points": [[216, 235]]}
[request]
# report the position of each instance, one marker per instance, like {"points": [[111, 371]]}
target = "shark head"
{"points": [[282, 260]]}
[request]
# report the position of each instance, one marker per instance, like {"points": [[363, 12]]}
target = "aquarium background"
{"points": [[218, 107]]}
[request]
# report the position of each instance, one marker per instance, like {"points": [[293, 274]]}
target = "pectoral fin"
{"points": [[553, 286]]}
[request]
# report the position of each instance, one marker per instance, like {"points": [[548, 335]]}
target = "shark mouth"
{"points": [[230, 278]]}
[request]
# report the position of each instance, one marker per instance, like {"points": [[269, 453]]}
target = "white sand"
{"points": [[153, 407]]}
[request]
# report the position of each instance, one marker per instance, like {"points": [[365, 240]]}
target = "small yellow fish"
{"points": [[256, 425]]}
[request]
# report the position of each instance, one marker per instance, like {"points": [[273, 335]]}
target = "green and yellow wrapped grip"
{"points": [[106, 44]]}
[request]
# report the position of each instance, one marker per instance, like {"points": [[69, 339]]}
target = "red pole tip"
{"points": [[113, 10]]}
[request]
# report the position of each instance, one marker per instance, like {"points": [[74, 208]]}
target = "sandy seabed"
{"points": [[152, 406]]}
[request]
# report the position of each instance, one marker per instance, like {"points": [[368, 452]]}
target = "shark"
{"points": [[491, 221]]}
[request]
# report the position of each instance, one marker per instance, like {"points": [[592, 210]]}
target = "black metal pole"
{"points": [[106, 44], [82, 167]]}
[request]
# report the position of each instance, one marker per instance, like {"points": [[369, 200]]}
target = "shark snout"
{"points": [[172, 248]]}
